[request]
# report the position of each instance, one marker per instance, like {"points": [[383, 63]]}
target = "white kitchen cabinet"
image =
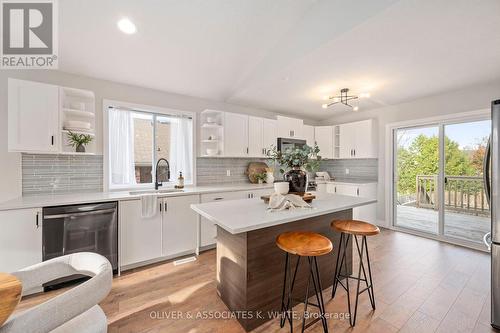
{"points": [[289, 127], [256, 193], [256, 137], [20, 239], [358, 139], [270, 133], [235, 135], [33, 117], [366, 213], [179, 225], [141, 238], [308, 135], [324, 140]]}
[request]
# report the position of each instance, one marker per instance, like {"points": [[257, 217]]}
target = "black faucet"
{"points": [[157, 183]]}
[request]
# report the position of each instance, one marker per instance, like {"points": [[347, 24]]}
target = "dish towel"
{"points": [[148, 205], [279, 202]]}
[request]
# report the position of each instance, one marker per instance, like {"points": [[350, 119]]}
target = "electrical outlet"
{"points": [[346, 171], [228, 172]]}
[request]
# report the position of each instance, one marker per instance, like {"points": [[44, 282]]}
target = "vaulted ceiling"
{"points": [[286, 55]]}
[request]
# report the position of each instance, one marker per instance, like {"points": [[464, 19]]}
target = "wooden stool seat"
{"points": [[304, 243], [355, 227], [10, 295]]}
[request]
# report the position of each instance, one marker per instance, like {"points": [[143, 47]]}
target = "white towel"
{"points": [[278, 202], [148, 205]]}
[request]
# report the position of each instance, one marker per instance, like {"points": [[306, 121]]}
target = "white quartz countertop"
{"points": [[41, 201], [237, 216]]}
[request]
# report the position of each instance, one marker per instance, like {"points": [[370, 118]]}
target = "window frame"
{"points": [[150, 109]]}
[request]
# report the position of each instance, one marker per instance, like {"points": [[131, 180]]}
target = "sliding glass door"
{"points": [[438, 180]]}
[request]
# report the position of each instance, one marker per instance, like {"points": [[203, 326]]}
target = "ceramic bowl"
{"points": [[281, 187]]}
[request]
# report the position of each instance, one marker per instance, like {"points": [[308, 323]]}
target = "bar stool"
{"points": [[347, 229], [303, 244]]}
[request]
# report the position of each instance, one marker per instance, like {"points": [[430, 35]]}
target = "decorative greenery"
{"points": [[261, 176], [306, 157], [77, 139]]}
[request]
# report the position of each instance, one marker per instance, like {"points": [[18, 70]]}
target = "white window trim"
{"points": [[108, 103], [476, 115]]}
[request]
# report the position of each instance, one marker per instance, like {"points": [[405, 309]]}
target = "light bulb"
{"points": [[324, 106], [356, 108], [336, 99], [126, 26]]}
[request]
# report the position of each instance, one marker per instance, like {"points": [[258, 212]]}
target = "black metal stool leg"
{"points": [[347, 279], [359, 277], [321, 302], [306, 300], [286, 307], [283, 314], [369, 273], [334, 285]]}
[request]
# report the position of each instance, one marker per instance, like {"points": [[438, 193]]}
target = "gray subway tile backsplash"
{"points": [[59, 174]]}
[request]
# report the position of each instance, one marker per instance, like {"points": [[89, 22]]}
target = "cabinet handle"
{"points": [[161, 207], [37, 220], [52, 140], [357, 191], [215, 199], [292, 133], [166, 206], [247, 150], [354, 152], [335, 189]]}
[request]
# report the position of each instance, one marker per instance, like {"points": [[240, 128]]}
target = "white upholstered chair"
{"points": [[77, 309]]}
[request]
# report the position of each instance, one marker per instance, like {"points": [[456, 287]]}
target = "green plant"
{"points": [[306, 157], [77, 139], [260, 176]]}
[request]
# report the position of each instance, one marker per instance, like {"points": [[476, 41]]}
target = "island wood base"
{"points": [[250, 267]]}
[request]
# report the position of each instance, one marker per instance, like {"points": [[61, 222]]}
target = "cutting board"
{"points": [[255, 168], [10, 295]]}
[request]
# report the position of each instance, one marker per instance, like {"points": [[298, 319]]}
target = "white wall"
{"points": [[470, 99], [10, 163]]}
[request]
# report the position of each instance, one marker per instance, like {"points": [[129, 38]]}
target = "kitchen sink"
{"points": [[165, 190]]}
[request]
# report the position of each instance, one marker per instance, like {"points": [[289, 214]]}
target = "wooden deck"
{"points": [[468, 227]]}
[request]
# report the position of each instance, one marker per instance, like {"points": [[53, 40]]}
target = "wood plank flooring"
{"points": [[421, 285]]}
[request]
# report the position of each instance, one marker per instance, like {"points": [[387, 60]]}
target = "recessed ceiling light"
{"points": [[126, 26]]}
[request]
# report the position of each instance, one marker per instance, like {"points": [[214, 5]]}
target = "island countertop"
{"points": [[238, 216]]}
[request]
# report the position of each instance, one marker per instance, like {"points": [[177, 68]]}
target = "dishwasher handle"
{"points": [[92, 212]]}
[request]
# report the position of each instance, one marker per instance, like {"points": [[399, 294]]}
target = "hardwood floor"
{"points": [[421, 285]]}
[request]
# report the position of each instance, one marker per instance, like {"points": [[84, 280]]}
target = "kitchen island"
{"points": [[250, 265]]}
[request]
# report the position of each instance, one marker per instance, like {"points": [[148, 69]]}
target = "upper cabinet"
{"points": [[270, 134], [358, 139], [308, 135], [324, 140], [33, 117], [41, 115], [289, 127], [235, 134], [255, 137]]}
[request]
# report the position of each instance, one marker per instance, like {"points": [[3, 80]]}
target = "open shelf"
{"points": [[78, 132], [79, 113]]}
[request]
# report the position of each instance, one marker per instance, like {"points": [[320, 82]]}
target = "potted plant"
{"points": [[269, 175], [295, 163], [261, 177], [79, 141]]}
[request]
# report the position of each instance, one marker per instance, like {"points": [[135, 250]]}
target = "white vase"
{"points": [[269, 178]]}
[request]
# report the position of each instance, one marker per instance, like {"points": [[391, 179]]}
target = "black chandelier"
{"points": [[343, 98]]}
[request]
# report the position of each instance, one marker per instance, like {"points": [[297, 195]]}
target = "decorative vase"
{"points": [[80, 149], [269, 178], [282, 187], [297, 178]]}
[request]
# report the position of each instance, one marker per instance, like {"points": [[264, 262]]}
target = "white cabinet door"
{"points": [[308, 134], [20, 239], [346, 140], [235, 135], [208, 229], [33, 117], [255, 137], [324, 140], [270, 133], [289, 127], [365, 140], [179, 225], [253, 194], [140, 237]]}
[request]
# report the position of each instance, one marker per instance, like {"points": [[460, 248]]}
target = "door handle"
{"points": [[486, 171], [487, 240], [37, 220]]}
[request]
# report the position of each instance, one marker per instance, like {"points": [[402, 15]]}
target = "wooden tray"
{"points": [[307, 197]]}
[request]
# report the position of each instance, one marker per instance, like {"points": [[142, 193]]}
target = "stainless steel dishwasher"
{"points": [[81, 228]]}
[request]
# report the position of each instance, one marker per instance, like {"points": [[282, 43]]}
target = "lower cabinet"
{"points": [[171, 231], [179, 225], [366, 213], [20, 239], [140, 237]]}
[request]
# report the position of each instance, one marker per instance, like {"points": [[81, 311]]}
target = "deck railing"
{"points": [[461, 193]]}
